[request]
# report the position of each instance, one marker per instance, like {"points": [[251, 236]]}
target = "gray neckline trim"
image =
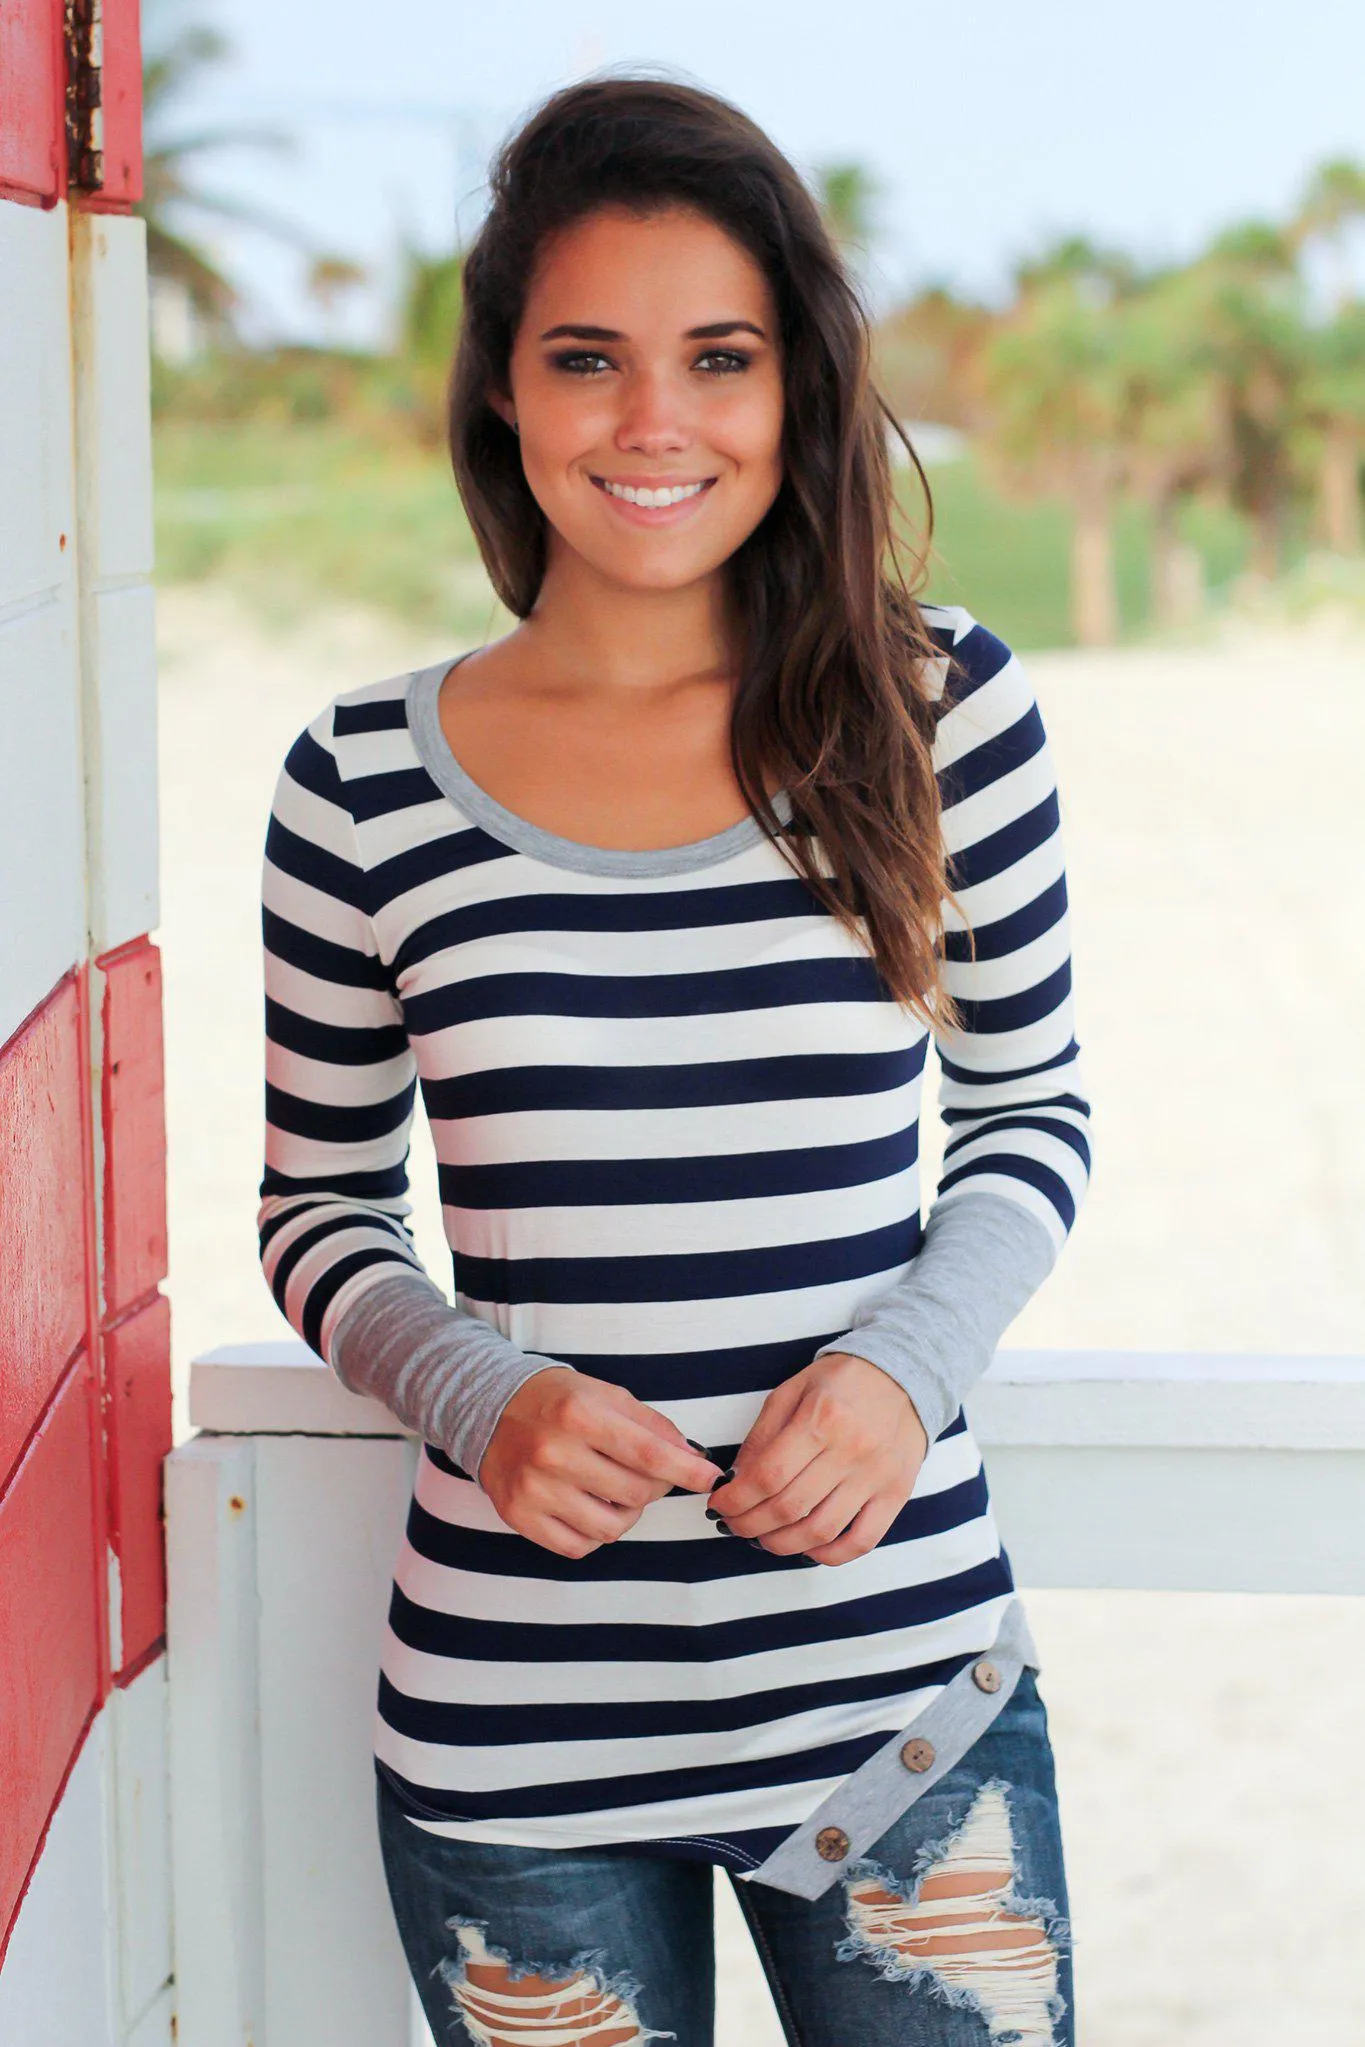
{"points": [[509, 829]]}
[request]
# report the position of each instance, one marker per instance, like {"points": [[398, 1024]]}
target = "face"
{"points": [[647, 361]]}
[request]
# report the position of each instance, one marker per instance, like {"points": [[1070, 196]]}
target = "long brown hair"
{"points": [[834, 695]]}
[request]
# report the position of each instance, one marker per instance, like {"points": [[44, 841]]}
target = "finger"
{"points": [[553, 1534], [823, 1523], [643, 1449], [791, 1503], [609, 1480], [868, 1527], [772, 1417], [762, 1471], [591, 1516]]}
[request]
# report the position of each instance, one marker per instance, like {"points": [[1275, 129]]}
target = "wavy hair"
{"points": [[839, 686]]}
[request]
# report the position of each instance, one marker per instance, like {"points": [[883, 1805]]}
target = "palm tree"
{"points": [[429, 320], [848, 195], [1334, 201], [1108, 272], [1252, 340], [1055, 380], [927, 351], [1334, 405], [1170, 429], [174, 56]]}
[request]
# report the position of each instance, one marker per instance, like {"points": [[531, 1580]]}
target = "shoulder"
{"points": [[989, 721], [354, 735], [972, 656]]}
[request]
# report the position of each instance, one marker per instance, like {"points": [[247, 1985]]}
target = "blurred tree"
{"points": [[1102, 272], [433, 296], [429, 321], [927, 355], [175, 54], [1333, 401], [1333, 201], [848, 195], [1170, 430], [1252, 339], [331, 277], [1055, 380]]}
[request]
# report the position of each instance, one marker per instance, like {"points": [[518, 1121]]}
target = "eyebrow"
{"points": [[716, 331]]}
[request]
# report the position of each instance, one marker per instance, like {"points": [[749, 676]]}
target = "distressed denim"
{"points": [[949, 1931]]}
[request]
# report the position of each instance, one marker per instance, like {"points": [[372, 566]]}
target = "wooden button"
{"points": [[917, 1755], [986, 1676], [832, 1844]]}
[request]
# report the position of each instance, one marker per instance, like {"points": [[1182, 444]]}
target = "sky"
{"points": [[991, 129]]}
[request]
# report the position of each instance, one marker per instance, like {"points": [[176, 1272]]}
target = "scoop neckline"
{"points": [[511, 829]]}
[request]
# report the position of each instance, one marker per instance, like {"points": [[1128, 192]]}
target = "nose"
{"points": [[654, 417]]}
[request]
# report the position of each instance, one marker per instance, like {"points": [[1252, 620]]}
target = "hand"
{"points": [[828, 1464], [574, 1461]]}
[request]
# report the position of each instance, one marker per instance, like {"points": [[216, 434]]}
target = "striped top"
{"points": [[676, 1115]]}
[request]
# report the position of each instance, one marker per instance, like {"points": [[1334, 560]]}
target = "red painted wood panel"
{"points": [[137, 1380], [121, 99], [42, 1213], [32, 82], [49, 1624], [134, 1116]]}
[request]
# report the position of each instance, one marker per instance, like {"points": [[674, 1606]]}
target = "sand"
{"points": [[1207, 1746]]}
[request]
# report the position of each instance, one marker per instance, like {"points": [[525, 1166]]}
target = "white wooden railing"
{"points": [[283, 1518]]}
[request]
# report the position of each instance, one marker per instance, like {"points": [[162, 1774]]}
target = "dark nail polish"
{"points": [[724, 1478], [723, 1527], [713, 1514], [700, 1448]]}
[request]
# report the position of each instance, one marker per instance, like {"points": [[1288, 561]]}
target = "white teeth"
{"points": [[652, 498]]}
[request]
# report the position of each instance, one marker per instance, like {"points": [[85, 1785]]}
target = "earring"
{"points": [[515, 428]]}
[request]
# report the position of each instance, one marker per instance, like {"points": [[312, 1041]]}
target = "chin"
{"points": [[658, 574]]}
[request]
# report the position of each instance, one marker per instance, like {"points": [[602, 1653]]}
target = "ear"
{"points": [[502, 405]]}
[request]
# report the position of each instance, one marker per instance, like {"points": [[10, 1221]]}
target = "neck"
{"points": [[599, 635]]}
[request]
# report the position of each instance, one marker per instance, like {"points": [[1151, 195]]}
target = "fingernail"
{"points": [[714, 1514], [723, 1527], [700, 1448], [724, 1478], [753, 1542]]}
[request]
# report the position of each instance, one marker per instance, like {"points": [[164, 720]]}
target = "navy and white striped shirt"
{"points": [[676, 1115]]}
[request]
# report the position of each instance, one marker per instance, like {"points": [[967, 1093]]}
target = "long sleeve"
{"points": [[445, 1374], [1017, 1158], [340, 1089]]}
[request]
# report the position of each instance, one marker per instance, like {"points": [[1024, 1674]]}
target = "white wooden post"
{"points": [[281, 1546]]}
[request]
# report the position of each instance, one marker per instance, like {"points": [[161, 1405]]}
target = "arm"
{"points": [[1017, 1162], [340, 1089]]}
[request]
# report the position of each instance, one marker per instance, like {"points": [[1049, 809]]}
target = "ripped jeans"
{"points": [[950, 1931]]}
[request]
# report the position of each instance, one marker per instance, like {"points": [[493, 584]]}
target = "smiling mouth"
{"points": [[658, 498]]}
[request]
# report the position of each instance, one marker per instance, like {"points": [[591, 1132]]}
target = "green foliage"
{"points": [[848, 195], [432, 303], [321, 514], [1009, 562]]}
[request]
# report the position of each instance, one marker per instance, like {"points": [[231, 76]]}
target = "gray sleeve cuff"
{"points": [[442, 1372], [936, 1331]]}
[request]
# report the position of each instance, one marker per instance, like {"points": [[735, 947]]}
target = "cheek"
{"points": [[753, 435]]}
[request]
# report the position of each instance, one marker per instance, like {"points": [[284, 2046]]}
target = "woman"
{"points": [[661, 898]]}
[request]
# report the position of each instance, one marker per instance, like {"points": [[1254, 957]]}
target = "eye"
{"points": [[574, 360], [732, 360]]}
